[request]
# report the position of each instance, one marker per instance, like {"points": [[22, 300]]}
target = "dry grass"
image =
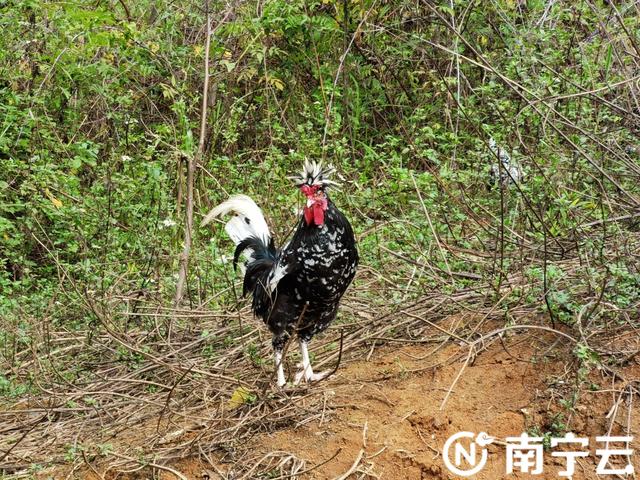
{"points": [[118, 400]]}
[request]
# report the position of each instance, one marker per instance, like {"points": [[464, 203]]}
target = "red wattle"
{"points": [[318, 214], [308, 215]]}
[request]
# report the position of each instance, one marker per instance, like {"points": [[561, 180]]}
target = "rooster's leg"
{"points": [[279, 367], [307, 372]]}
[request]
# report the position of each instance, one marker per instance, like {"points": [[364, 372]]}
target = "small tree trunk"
{"points": [[191, 172]]}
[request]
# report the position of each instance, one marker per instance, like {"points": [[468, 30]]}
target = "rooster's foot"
{"points": [[305, 375]]}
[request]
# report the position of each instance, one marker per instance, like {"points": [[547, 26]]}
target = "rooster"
{"points": [[296, 289]]}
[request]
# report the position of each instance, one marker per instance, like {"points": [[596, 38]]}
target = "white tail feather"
{"points": [[247, 222]]}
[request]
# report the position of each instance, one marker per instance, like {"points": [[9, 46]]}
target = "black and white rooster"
{"points": [[296, 289]]}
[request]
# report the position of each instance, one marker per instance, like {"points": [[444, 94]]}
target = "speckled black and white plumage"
{"points": [[295, 290], [320, 263], [504, 171]]}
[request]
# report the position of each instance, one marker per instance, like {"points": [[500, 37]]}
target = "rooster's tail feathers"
{"points": [[248, 221], [262, 267], [260, 251]]}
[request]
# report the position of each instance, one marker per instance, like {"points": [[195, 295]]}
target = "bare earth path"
{"points": [[383, 418]]}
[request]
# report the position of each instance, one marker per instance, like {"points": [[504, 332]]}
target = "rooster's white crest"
{"points": [[314, 173]]}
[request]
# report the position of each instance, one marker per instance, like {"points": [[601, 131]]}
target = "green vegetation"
{"points": [[101, 106], [100, 111]]}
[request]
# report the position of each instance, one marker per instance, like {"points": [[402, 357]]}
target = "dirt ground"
{"points": [[387, 413], [386, 418]]}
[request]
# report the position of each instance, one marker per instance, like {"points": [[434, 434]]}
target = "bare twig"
{"points": [[353, 467]]}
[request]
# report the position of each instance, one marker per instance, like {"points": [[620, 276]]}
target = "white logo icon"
{"points": [[470, 456]]}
